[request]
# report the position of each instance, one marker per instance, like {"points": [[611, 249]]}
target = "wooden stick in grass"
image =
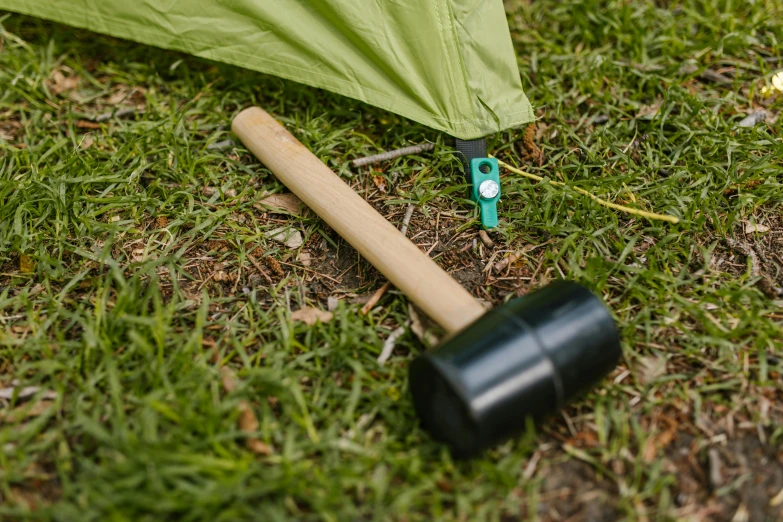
{"points": [[609, 204], [392, 154]]}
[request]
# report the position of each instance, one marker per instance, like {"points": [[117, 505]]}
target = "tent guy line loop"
{"points": [[603, 202]]}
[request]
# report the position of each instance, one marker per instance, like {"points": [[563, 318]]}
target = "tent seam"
{"points": [[442, 36], [461, 61]]}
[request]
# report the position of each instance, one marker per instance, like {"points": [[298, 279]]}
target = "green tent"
{"points": [[448, 64]]}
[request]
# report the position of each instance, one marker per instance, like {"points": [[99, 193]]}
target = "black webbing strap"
{"points": [[469, 149]]}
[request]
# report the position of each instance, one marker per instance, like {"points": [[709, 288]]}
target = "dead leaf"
{"points": [[758, 228], [734, 189], [228, 379], [445, 485], [380, 182], [162, 221], [274, 265], [22, 497], [60, 83], [650, 111], [216, 245], [660, 441], [26, 265], [258, 447], [648, 369], [510, 259], [86, 142], [211, 191], [39, 408], [18, 329], [304, 258], [247, 421], [223, 276], [120, 94], [26, 412], [531, 151], [287, 202], [286, 235], [668, 435], [310, 315], [541, 129], [84, 124]]}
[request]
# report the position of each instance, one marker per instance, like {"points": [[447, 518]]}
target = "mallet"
{"points": [[525, 358]]}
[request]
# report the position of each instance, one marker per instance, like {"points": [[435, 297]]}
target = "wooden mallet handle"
{"points": [[395, 256]]}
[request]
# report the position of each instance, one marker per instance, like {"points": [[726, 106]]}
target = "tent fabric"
{"points": [[448, 64]]}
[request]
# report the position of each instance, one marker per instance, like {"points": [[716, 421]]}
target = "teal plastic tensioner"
{"points": [[485, 189]]}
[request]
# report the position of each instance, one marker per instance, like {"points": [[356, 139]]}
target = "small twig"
{"points": [[207, 280], [375, 298], [309, 270], [388, 345], [236, 283], [407, 219], [707, 75], [429, 251], [486, 239], [716, 477], [106, 116], [392, 154], [530, 469], [537, 270], [603, 202]]}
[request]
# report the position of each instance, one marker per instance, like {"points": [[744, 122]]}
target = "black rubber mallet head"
{"points": [[524, 359], [497, 368]]}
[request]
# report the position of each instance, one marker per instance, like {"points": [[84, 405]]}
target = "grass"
{"points": [[134, 265]]}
